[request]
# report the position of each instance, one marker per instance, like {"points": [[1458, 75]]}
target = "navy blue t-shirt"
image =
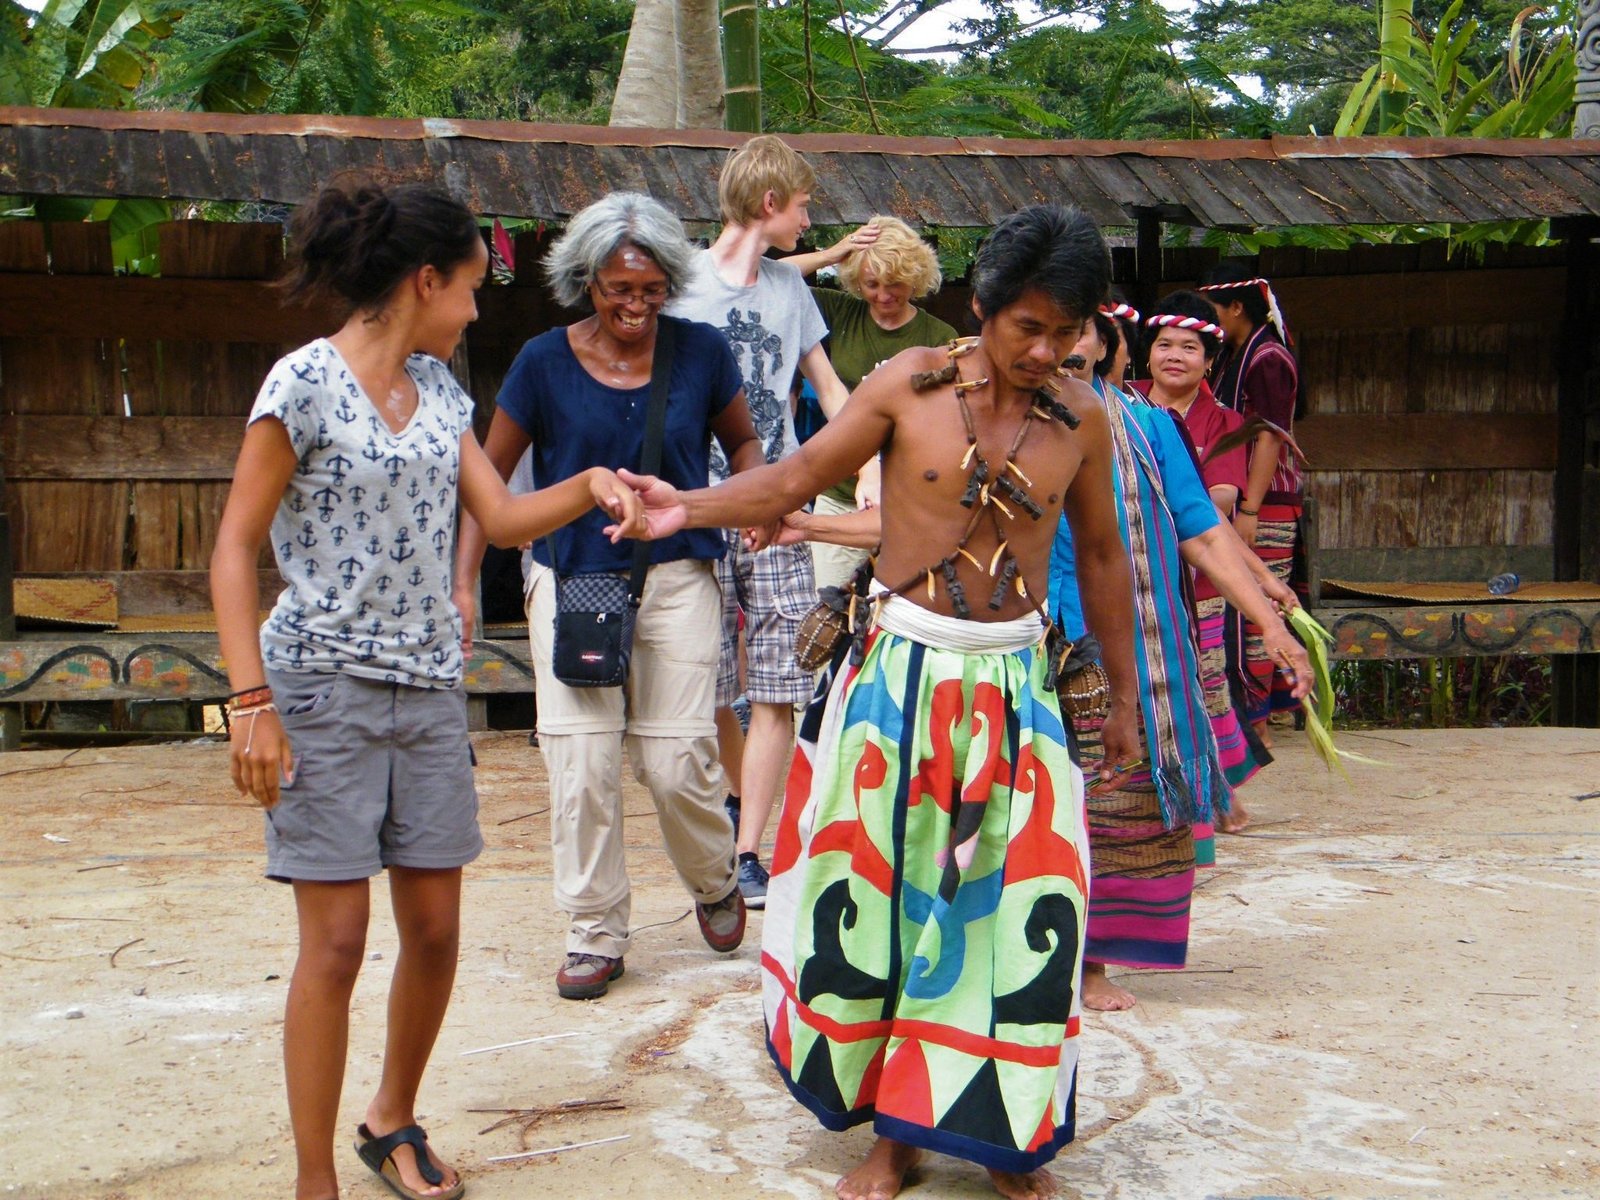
{"points": [[577, 422]]}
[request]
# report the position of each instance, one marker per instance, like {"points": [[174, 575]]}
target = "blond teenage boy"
{"points": [[772, 322]]}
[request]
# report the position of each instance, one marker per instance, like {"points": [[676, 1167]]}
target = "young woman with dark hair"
{"points": [[348, 719], [1256, 375], [1183, 341]]}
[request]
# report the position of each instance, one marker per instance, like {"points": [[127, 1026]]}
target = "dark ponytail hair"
{"points": [[1226, 272], [357, 240]]}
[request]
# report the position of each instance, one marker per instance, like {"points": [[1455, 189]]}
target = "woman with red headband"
{"points": [[1183, 341], [1256, 376]]}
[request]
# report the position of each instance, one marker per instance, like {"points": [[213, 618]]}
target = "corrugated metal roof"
{"points": [[552, 171]]}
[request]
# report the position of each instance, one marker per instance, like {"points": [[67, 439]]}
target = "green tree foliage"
{"points": [[1527, 94], [1133, 72], [81, 53], [1116, 69], [508, 59], [353, 57], [815, 76], [1309, 54]]}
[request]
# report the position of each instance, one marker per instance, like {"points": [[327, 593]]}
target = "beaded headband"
{"points": [[1119, 311], [1193, 324]]}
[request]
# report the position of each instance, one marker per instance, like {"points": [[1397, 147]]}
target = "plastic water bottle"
{"points": [[1504, 584]]}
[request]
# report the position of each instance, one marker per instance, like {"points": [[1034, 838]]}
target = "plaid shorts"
{"points": [[775, 589]]}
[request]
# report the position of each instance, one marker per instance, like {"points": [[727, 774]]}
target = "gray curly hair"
{"points": [[597, 232]]}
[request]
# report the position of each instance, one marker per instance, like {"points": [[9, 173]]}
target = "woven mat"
{"points": [[1464, 593], [173, 623], [65, 603]]}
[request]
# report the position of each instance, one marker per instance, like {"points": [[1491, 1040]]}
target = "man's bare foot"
{"points": [[882, 1174], [1035, 1185], [1235, 819], [404, 1161], [1264, 732], [1100, 994]]}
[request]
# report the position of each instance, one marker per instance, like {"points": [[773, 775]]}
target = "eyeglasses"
{"points": [[652, 296]]}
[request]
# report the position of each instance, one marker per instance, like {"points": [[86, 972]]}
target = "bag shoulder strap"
{"points": [[654, 433]]}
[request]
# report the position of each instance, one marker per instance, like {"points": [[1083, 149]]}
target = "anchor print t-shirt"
{"points": [[365, 534], [770, 326]]}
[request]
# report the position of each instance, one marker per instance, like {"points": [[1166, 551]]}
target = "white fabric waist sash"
{"points": [[908, 619]]}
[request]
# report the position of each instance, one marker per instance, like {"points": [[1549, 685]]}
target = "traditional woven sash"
{"points": [[1183, 750]]}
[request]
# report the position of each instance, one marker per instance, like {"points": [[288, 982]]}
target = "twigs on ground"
{"points": [[548, 1037], [149, 787], [55, 766], [530, 1117], [123, 947], [500, 1158], [511, 820]]}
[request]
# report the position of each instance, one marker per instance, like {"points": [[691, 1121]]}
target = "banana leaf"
{"points": [[1318, 703]]}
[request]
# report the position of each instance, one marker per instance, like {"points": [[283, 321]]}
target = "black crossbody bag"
{"points": [[595, 612]]}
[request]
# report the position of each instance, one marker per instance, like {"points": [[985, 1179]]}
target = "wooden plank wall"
{"points": [[1432, 391], [62, 525], [120, 441]]}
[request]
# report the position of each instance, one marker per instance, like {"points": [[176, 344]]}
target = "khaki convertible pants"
{"points": [[663, 715]]}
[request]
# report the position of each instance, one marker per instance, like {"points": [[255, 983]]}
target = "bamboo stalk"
{"points": [[741, 42]]}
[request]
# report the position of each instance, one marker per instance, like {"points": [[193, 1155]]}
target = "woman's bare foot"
{"points": [[1035, 1185], [882, 1174], [1235, 819], [1264, 732], [1100, 994]]}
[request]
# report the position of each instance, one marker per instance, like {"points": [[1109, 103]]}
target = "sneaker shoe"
{"points": [[722, 923], [587, 976], [730, 805], [753, 883]]}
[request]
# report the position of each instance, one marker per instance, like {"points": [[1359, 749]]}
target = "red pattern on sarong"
{"points": [[1037, 849]]}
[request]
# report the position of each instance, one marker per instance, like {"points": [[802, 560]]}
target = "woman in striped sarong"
{"points": [[1256, 375], [1142, 833]]}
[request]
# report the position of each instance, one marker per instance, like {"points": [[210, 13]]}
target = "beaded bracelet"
{"points": [[240, 702], [1249, 512]]}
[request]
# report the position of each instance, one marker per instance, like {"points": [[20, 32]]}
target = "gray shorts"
{"points": [[774, 589], [382, 778]]}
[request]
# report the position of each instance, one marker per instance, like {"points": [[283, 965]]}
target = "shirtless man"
{"points": [[923, 940]]}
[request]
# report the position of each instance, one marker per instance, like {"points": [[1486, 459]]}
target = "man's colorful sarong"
{"points": [[1270, 688], [922, 949], [1143, 871]]}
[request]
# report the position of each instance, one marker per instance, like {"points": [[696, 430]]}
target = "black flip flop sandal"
{"points": [[378, 1153]]}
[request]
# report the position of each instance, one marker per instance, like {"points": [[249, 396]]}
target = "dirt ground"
{"points": [[1392, 992]]}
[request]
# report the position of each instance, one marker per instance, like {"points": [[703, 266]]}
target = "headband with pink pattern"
{"points": [[1193, 324]]}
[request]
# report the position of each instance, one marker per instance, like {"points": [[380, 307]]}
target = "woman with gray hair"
{"points": [[579, 396]]}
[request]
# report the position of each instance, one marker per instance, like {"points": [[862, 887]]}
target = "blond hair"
{"points": [[898, 256], [763, 164]]}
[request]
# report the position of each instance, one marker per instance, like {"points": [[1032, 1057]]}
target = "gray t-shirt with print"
{"points": [[771, 325], [365, 533]]}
